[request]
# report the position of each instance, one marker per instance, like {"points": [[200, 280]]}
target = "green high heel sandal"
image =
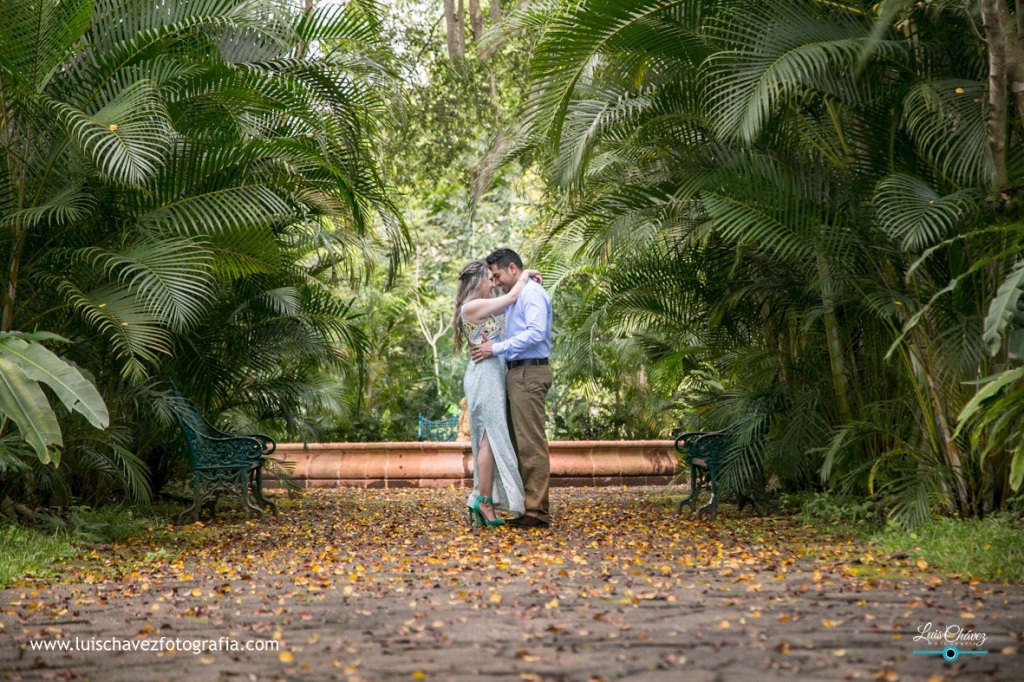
{"points": [[481, 520]]}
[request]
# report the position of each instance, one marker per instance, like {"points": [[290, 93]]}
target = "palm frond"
{"points": [[911, 211], [171, 277], [946, 120], [775, 51]]}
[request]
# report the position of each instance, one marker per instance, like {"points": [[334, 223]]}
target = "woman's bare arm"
{"points": [[479, 309]]}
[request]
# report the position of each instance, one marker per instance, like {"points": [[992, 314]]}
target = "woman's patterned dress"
{"points": [[484, 385]]}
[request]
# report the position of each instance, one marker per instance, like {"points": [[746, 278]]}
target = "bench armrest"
{"points": [[268, 443], [680, 443], [230, 451]]}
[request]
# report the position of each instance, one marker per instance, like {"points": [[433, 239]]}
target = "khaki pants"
{"points": [[526, 388]]}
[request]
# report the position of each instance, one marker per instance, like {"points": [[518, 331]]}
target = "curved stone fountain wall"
{"points": [[428, 464]]}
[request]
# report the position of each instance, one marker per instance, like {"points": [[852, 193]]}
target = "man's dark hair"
{"points": [[503, 257]]}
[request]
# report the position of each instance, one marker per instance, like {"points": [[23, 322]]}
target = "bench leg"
{"points": [[209, 485], [241, 480], [193, 512], [711, 508], [695, 487], [256, 482]]}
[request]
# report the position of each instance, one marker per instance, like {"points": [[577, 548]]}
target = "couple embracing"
{"points": [[506, 382]]}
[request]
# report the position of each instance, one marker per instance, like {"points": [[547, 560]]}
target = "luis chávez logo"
{"points": [[953, 641]]}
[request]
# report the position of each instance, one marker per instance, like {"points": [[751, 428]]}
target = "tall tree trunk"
{"points": [[476, 19], [303, 48], [495, 10], [456, 32], [1012, 36], [951, 453], [461, 11], [997, 84], [9, 294], [835, 342]]}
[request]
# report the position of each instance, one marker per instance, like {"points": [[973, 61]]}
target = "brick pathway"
{"points": [[618, 590]]}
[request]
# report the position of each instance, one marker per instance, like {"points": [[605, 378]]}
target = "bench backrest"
{"points": [[442, 430], [707, 446], [209, 447], [193, 426]]}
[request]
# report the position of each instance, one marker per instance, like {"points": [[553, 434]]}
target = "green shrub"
{"points": [[824, 509]]}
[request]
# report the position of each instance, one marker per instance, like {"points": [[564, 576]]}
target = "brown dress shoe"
{"points": [[527, 522]]}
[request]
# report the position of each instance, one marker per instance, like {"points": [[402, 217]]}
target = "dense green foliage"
{"points": [[797, 219], [790, 207], [178, 183], [453, 119], [445, 114]]}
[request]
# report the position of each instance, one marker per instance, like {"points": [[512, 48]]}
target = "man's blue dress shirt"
{"points": [[527, 326]]}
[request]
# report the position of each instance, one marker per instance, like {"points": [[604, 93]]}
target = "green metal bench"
{"points": [[442, 430], [704, 453], [222, 463]]}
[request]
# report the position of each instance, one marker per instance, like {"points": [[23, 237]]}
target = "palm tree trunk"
{"points": [[997, 104], [10, 291], [835, 343], [950, 451], [303, 48], [1012, 36]]}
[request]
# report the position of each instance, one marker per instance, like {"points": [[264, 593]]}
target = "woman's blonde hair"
{"points": [[470, 279]]}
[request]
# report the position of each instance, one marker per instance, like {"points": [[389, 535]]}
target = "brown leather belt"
{"points": [[530, 362]]}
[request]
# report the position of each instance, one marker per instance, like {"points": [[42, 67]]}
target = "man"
{"points": [[525, 350]]}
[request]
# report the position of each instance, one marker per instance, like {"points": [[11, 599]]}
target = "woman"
{"points": [[496, 480]]}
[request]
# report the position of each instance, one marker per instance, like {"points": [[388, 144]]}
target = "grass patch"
{"points": [[991, 549], [116, 523], [26, 553], [36, 554]]}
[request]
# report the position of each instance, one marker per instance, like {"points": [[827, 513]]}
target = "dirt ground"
{"points": [[392, 585]]}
